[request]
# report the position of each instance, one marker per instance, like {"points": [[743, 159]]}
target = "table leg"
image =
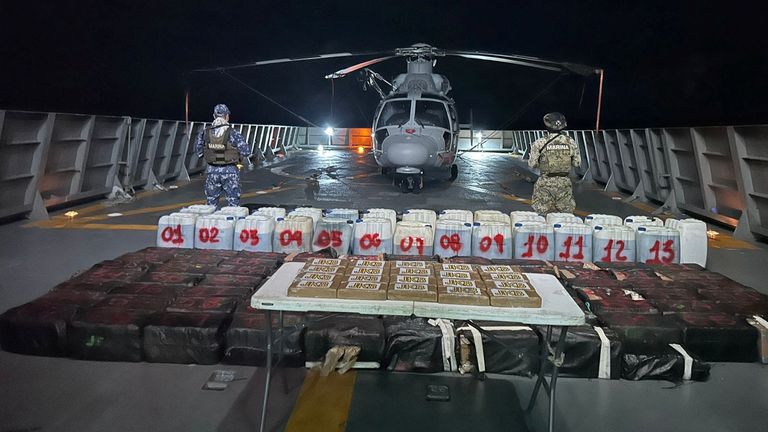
{"points": [[557, 361], [544, 355], [549, 357], [267, 379]]}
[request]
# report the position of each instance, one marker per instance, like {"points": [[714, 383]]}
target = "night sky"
{"points": [[667, 63]]}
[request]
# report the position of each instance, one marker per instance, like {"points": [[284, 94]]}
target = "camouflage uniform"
{"points": [[223, 178], [553, 191]]}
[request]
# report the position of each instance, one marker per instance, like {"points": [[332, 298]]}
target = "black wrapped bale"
{"points": [[507, 349], [36, 328], [126, 302], [149, 289], [668, 365], [80, 298], [212, 291], [582, 350], [247, 339], [601, 300], [412, 345], [643, 333], [325, 331], [109, 334], [185, 337], [718, 337], [231, 280], [171, 278], [223, 305]]}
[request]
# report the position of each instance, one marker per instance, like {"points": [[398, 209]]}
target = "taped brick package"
{"points": [[247, 339], [36, 328], [73, 297], [149, 289], [500, 348], [718, 337], [590, 352], [221, 305], [185, 338], [412, 345], [107, 333], [325, 331], [643, 333], [600, 300], [126, 302]]}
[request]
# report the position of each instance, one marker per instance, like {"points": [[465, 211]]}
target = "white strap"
{"points": [[761, 321], [604, 367], [448, 343], [477, 337], [688, 361]]}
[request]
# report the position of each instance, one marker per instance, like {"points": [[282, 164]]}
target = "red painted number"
{"points": [[172, 235], [406, 246], [487, 242], [542, 244], [368, 241], [250, 235], [208, 235], [452, 242], [325, 239], [287, 237], [567, 253], [609, 257], [669, 253]]}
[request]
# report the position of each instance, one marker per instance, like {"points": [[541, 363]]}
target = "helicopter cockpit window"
{"points": [[395, 113], [431, 113]]}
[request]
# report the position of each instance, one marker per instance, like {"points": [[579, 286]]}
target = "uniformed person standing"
{"points": [[554, 155], [223, 149]]}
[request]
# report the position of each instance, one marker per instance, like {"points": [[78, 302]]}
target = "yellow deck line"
{"points": [[323, 403]]}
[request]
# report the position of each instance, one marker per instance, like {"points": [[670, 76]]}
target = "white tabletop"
{"points": [[557, 308]]}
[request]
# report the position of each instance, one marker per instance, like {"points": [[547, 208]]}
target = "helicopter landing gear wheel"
{"points": [[454, 172], [403, 184]]}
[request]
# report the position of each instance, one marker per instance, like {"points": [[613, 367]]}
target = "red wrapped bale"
{"points": [[668, 364], [126, 302], [433, 258], [666, 294], [257, 260], [209, 305], [718, 337], [259, 270], [500, 348], [468, 260], [107, 333], [184, 267], [600, 300], [590, 352], [72, 297], [325, 331], [309, 256], [148, 256], [188, 279], [36, 328], [412, 345], [217, 291], [110, 275], [185, 337], [79, 286], [201, 259], [231, 280], [643, 333], [673, 306], [274, 256], [219, 253], [149, 289], [247, 339]]}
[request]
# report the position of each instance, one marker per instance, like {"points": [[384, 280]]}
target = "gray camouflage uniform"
{"points": [[224, 179], [553, 191]]}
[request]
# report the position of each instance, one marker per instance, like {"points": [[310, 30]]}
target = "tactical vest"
{"points": [[555, 158], [218, 150]]}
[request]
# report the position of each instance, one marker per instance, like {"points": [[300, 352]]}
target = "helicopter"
{"points": [[415, 126]]}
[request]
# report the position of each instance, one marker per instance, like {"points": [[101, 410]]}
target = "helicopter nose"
{"points": [[412, 152]]}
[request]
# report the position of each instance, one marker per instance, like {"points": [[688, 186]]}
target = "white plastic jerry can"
{"points": [[534, 241], [372, 236], [491, 216], [491, 239], [603, 219], [199, 209], [315, 213], [613, 244], [638, 221], [658, 245], [176, 230], [334, 233], [275, 212], [382, 213], [453, 238], [553, 218], [693, 240], [343, 213], [429, 217], [293, 234], [520, 216], [254, 233], [413, 238], [215, 232], [573, 242], [464, 216]]}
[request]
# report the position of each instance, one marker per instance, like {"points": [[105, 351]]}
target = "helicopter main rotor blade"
{"points": [[527, 61], [290, 60], [346, 71], [507, 61]]}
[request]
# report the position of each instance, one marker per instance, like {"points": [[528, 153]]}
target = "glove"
{"points": [[248, 164]]}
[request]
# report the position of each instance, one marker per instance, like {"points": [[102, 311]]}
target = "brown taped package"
{"points": [[514, 298], [508, 285], [331, 262], [456, 267], [368, 263], [446, 274], [313, 289], [465, 283], [513, 277], [411, 264], [411, 271], [322, 269], [496, 269], [413, 279], [366, 278], [411, 292], [321, 277], [463, 296], [362, 291]]}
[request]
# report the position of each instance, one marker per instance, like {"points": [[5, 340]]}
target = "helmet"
{"points": [[555, 121], [220, 110]]}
